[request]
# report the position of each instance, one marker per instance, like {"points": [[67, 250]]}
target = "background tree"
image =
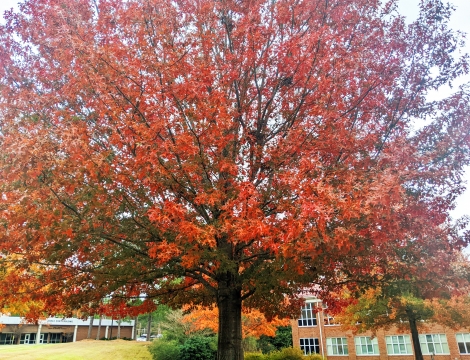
{"points": [[281, 339], [412, 303], [157, 318], [254, 324], [221, 151], [178, 328], [27, 303]]}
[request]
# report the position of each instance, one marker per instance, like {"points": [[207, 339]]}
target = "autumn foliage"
{"points": [[254, 323], [224, 152], [28, 302]]}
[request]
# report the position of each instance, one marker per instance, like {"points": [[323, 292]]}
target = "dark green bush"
{"points": [[165, 350], [199, 348], [281, 340]]}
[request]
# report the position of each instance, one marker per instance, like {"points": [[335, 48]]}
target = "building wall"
{"points": [[322, 332], [82, 331]]}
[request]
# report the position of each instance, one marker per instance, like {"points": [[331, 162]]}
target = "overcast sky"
{"points": [[409, 8]]}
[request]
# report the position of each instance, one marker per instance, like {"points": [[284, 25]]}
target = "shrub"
{"points": [[314, 357], [282, 339], [265, 345], [250, 344], [165, 350], [287, 354], [199, 348], [255, 356]]}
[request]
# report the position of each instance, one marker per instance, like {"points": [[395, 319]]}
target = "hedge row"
{"points": [[194, 348], [284, 354], [205, 348]]}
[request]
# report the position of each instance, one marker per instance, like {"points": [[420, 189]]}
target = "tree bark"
{"points": [[229, 302], [119, 328], [414, 335]]}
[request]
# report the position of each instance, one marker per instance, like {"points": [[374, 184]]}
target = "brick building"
{"points": [[13, 330], [316, 332]]}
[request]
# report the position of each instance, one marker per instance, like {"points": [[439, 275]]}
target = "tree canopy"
{"points": [[224, 152]]}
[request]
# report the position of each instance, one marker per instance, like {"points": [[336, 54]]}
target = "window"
{"points": [[337, 346], [329, 320], [433, 344], [55, 338], [310, 346], [463, 340], [6, 338], [398, 345], [308, 317], [28, 338], [366, 346]]}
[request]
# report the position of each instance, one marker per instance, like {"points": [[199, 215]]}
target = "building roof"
{"points": [[16, 320]]}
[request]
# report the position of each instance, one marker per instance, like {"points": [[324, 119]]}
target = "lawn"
{"points": [[80, 350]]}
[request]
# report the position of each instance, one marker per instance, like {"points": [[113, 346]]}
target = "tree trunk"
{"points": [[414, 335], [99, 328], [149, 323], [90, 327], [229, 303], [119, 328]]}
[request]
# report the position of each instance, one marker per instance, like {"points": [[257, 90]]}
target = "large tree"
{"points": [[223, 151]]}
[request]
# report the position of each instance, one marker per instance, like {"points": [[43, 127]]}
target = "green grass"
{"points": [[80, 350]]}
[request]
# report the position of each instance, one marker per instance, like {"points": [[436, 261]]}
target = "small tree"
{"points": [[411, 303]]}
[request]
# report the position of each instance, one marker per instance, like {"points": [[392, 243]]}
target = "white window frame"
{"points": [[26, 339], [434, 344], [464, 339], [53, 337], [329, 320], [9, 339], [308, 316], [370, 345], [337, 346], [307, 344], [402, 341]]}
